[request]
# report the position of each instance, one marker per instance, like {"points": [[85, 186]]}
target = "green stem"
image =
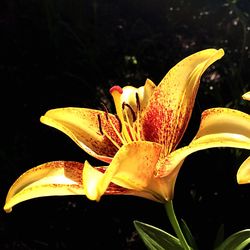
{"points": [[175, 224]]}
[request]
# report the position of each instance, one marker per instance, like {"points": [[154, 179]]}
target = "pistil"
{"points": [[116, 92]]}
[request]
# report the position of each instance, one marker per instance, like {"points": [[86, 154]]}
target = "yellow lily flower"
{"points": [[139, 143]]}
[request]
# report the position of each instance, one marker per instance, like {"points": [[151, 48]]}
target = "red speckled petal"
{"points": [[224, 120], [167, 115], [92, 175], [83, 127], [133, 168], [220, 127], [48, 179], [56, 178]]}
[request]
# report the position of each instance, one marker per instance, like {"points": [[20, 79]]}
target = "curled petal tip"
{"points": [[7, 209], [246, 96], [221, 52], [91, 178], [243, 174]]}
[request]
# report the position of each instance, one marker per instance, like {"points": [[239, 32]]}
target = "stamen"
{"points": [[120, 123], [103, 132], [100, 124], [116, 131], [105, 109], [131, 110], [138, 128], [137, 101], [131, 128]]}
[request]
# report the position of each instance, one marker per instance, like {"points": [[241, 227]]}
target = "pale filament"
{"points": [[131, 129], [103, 132]]}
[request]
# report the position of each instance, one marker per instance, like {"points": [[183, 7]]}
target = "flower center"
{"points": [[126, 127]]}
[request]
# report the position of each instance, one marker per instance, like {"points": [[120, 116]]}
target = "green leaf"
{"points": [[219, 236], [155, 238], [188, 235], [236, 241], [244, 244]]}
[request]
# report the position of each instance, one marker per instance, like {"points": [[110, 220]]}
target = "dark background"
{"points": [[69, 53]]}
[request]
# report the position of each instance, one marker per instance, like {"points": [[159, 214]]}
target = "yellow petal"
{"points": [[144, 93], [224, 120], [164, 184], [220, 127], [246, 96], [243, 174], [83, 127], [92, 176], [132, 168], [49, 179], [170, 106]]}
